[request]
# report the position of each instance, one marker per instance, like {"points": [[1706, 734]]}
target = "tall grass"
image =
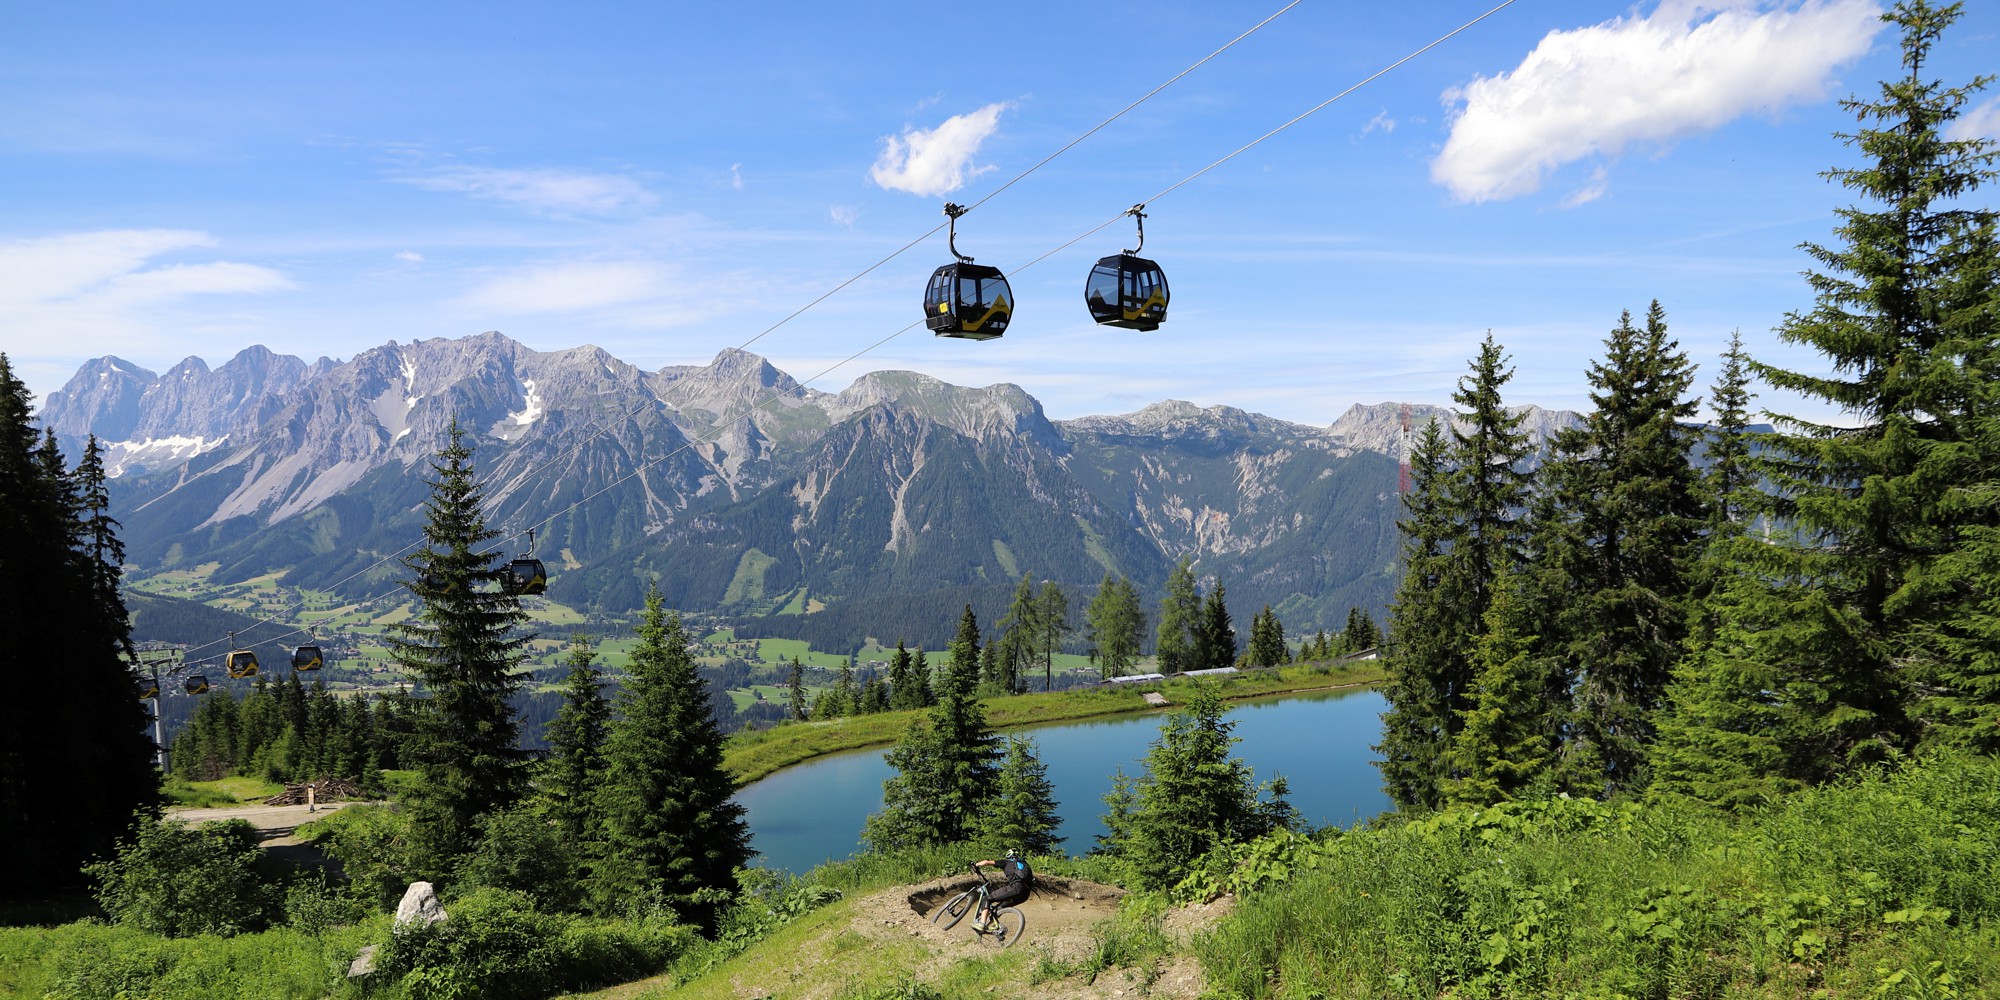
{"points": [[1886, 887]]}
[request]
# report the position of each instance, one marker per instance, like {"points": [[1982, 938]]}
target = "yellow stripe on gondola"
{"points": [[1158, 298], [1000, 308]]}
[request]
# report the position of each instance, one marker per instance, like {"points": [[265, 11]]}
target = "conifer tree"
{"points": [[908, 688], [1115, 624], [1215, 636], [795, 690], [1903, 318], [1180, 616], [920, 668], [1462, 527], [1052, 626], [1725, 738], [1359, 633], [462, 643], [1731, 480], [573, 769], [1267, 640], [1022, 810], [1620, 534], [76, 756], [1506, 743], [1416, 730], [1193, 796], [946, 762], [1019, 630], [673, 832]]}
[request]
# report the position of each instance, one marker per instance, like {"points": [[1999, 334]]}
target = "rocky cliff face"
{"points": [[732, 485], [143, 420]]}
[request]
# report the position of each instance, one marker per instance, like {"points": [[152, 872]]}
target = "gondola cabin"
{"points": [[1127, 291], [197, 684], [307, 658], [967, 300], [241, 663], [149, 692], [527, 576]]}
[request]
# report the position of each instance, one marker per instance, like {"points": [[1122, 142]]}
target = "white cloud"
{"points": [[736, 176], [553, 192], [1600, 181], [51, 284], [1982, 122], [569, 287], [844, 215], [936, 161], [1691, 66], [410, 255], [105, 290], [1381, 122]]}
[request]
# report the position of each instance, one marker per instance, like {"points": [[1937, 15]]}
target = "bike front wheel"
{"points": [[954, 910], [1008, 926]]}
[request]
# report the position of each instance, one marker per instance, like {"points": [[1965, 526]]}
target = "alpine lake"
{"points": [[1320, 743]]}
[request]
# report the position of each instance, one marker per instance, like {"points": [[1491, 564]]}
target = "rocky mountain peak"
{"points": [[978, 413], [101, 398]]}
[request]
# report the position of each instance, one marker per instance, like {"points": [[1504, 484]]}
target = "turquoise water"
{"points": [[813, 812]]}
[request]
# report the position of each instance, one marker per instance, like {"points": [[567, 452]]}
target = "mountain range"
{"points": [[736, 488]]}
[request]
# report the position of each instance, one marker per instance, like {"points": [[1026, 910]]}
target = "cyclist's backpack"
{"points": [[1018, 871]]}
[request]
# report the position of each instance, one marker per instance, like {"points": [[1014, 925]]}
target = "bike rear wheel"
{"points": [[954, 910], [1008, 926]]}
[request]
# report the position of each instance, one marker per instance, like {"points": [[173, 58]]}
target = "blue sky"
{"points": [[667, 180]]}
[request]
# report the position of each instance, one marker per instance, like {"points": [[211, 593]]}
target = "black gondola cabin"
{"points": [[1127, 291], [241, 663], [526, 575], [197, 684], [307, 658], [968, 300]]}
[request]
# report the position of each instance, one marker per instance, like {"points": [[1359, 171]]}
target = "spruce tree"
{"points": [[1727, 736], [1022, 810], [76, 756], [1618, 539], [1180, 616], [1417, 728], [1019, 629], [1903, 319], [1267, 640], [1731, 479], [673, 832], [908, 687], [1052, 626], [795, 690], [1215, 638], [573, 769], [1192, 797], [946, 762], [1505, 744], [462, 643], [1463, 526], [1115, 623]]}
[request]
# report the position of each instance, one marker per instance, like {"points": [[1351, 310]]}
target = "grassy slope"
{"points": [[753, 755]]}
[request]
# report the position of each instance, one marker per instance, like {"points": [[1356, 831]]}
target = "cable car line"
{"points": [[776, 396]]}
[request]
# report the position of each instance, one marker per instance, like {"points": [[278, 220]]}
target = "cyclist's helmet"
{"points": [[1013, 854]]}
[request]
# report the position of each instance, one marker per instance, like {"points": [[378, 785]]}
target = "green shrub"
{"points": [[522, 851], [176, 880], [94, 961], [372, 845], [496, 944]]}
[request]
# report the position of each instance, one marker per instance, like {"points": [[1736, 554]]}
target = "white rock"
{"points": [[419, 906]]}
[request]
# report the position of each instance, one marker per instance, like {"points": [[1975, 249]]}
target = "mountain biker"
{"points": [[1020, 879]]}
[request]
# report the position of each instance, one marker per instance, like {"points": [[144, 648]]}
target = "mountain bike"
{"points": [[1005, 925]]}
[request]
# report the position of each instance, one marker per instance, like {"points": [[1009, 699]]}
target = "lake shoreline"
{"points": [[750, 757]]}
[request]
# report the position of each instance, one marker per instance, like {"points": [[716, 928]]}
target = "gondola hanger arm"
{"points": [[955, 210]]}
